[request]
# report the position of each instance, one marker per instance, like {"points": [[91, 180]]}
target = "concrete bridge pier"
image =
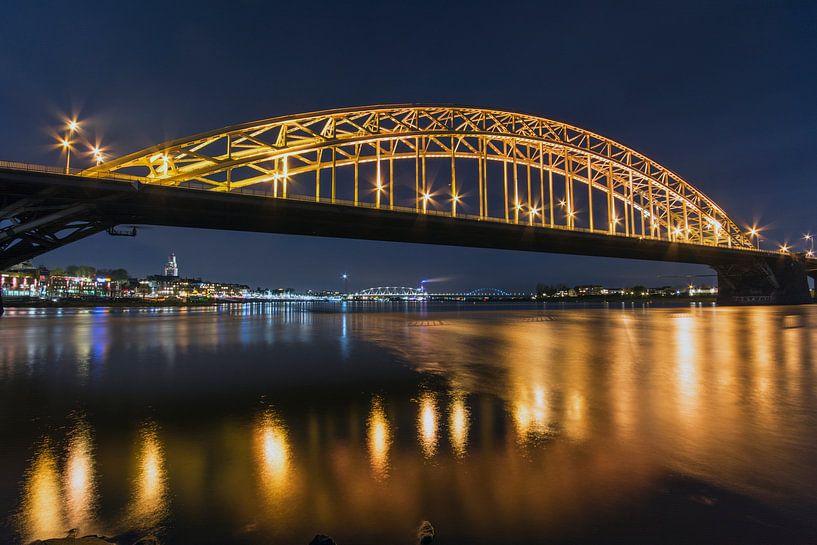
{"points": [[776, 281]]}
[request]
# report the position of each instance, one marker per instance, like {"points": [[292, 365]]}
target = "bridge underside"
{"points": [[40, 212]]}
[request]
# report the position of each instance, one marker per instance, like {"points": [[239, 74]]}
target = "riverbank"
{"points": [[97, 302]]}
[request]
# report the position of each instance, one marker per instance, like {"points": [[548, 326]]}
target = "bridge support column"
{"points": [[782, 281]]}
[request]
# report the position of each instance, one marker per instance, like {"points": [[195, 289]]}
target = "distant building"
{"points": [[171, 267]]}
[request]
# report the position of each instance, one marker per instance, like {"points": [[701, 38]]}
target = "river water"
{"points": [[269, 424]]}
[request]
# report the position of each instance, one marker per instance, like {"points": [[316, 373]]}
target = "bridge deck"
{"points": [[118, 202]]}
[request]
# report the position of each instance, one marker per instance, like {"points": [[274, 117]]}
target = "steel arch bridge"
{"points": [[437, 174], [523, 169], [386, 292]]}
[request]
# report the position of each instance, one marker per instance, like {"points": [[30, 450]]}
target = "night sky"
{"points": [[723, 93]]}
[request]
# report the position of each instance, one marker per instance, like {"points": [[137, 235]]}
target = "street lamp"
{"points": [[96, 151], [809, 238], [755, 234], [345, 282], [71, 127]]}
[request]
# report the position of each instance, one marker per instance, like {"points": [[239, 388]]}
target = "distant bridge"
{"points": [[435, 174], [389, 292]]}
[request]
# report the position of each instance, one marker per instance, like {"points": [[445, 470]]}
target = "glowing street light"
{"points": [[810, 239], [532, 212], [784, 248], [71, 127], [378, 191], [426, 198], [754, 232], [96, 151]]}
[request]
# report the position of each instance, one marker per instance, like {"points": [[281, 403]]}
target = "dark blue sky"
{"points": [[724, 93]]}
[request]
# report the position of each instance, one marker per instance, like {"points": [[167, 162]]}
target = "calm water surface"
{"points": [[268, 424]]}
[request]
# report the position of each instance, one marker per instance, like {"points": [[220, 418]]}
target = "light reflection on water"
{"points": [[484, 423], [149, 486], [379, 440]]}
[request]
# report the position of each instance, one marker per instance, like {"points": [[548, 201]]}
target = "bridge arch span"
{"points": [[476, 163]]}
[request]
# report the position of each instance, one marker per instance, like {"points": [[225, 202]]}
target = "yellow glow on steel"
{"points": [[284, 148]]}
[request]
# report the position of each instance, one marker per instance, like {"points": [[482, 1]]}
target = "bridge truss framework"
{"points": [[476, 163]]}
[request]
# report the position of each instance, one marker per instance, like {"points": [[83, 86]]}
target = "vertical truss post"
{"points": [[550, 187], [423, 180], [670, 234], [416, 173], [632, 205], [229, 158], [454, 195], [391, 175], [530, 201], [627, 196], [505, 175], [479, 179], [334, 179], [611, 223], [485, 175], [516, 203], [275, 179], [286, 175], [318, 176], [650, 197], [568, 190], [357, 172], [641, 204], [686, 220], [590, 191], [542, 182], [378, 182]]}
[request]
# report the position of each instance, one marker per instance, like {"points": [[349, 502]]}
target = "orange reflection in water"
{"points": [[149, 504], [427, 424], [42, 512], [272, 452], [79, 479], [531, 413], [378, 438], [458, 423]]}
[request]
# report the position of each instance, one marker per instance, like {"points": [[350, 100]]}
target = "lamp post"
{"points": [[345, 283], [70, 129], [808, 237]]}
